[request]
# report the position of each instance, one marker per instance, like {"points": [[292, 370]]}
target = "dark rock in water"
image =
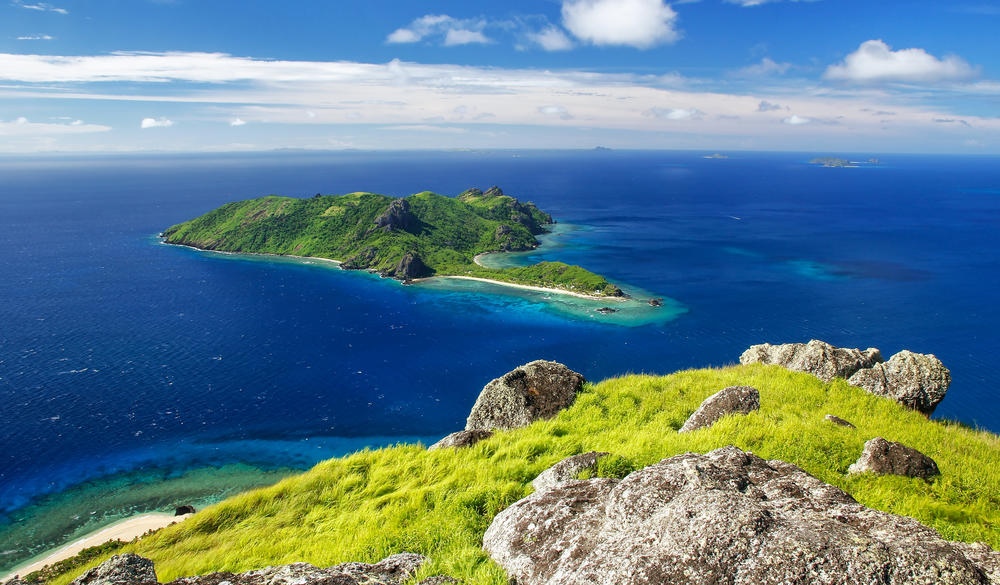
{"points": [[398, 217], [528, 393], [731, 400], [462, 439], [655, 302], [126, 569], [915, 380], [184, 510], [607, 310], [411, 266], [392, 570], [566, 470], [727, 517], [818, 358], [888, 458], [839, 421]]}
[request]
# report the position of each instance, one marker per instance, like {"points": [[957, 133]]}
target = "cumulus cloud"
{"points": [[452, 31], [766, 67], [635, 23], [675, 113], [238, 122], [796, 120], [156, 123], [551, 39], [875, 62], [556, 111]]}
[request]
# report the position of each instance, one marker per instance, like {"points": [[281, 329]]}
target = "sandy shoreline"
{"points": [[125, 530]]}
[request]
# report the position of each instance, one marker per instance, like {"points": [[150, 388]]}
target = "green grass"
{"points": [[375, 503]]}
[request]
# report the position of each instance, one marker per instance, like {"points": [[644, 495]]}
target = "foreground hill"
{"points": [[419, 236], [439, 503]]}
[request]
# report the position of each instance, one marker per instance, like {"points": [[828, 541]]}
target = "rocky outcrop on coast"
{"points": [[915, 380], [723, 517]]}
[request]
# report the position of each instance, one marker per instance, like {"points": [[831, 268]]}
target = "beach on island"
{"points": [[124, 530]]}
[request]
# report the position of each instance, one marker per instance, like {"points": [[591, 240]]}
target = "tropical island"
{"points": [[411, 238]]}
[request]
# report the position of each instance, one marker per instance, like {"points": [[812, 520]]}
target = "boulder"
{"points": [[392, 570], [184, 510], [725, 517], [126, 569], [462, 439], [888, 458], [818, 358], [731, 400], [839, 421], [534, 391], [916, 380], [566, 470]]}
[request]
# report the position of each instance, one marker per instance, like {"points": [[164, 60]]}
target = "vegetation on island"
{"points": [[366, 506], [419, 236]]}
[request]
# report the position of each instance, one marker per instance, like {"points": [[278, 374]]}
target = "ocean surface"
{"points": [[136, 375]]}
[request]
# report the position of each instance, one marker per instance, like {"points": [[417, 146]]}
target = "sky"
{"points": [[849, 76]]}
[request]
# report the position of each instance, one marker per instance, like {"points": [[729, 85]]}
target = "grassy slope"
{"points": [[451, 232], [375, 503]]}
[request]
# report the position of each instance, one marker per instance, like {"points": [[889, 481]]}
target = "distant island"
{"points": [[716, 156], [830, 161], [410, 238]]}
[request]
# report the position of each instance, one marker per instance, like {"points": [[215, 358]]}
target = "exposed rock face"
{"points": [[818, 358], [126, 569], [131, 569], [411, 266], [731, 400], [566, 470], [916, 380], [839, 421], [528, 393], [184, 510], [398, 217], [727, 517], [888, 458], [462, 439]]}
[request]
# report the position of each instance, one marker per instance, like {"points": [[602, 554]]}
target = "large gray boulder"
{"points": [[818, 358], [461, 439], [888, 458], [731, 400], [528, 393], [727, 517], [392, 570], [126, 569], [916, 380], [566, 470]]}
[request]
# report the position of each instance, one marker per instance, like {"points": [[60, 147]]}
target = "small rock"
{"points": [[607, 310], [655, 302], [531, 392], [915, 380], [566, 470], [440, 580], [887, 458], [394, 569], [818, 358], [731, 400], [462, 439], [839, 421], [126, 569], [184, 510]]}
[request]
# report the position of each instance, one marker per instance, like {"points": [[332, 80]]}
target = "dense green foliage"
{"points": [[376, 232], [374, 503]]}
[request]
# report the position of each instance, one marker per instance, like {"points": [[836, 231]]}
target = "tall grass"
{"points": [[375, 503]]}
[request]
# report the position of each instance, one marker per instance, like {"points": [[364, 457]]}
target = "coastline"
{"points": [[124, 530]]}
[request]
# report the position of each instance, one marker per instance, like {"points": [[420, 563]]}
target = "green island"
{"points": [[374, 503], [835, 162], [420, 236]]}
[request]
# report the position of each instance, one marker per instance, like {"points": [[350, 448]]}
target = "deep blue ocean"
{"points": [[125, 362]]}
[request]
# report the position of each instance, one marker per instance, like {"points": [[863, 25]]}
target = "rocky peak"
{"points": [[398, 217]]}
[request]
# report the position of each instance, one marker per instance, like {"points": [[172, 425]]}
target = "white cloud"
{"points": [[875, 62], [766, 67], [675, 113], [747, 3], [23, 127], [556, 111], [36, 38], [238, 122], [551, 39], [41, 7], [635, 23], [156, 123], [455, 32], [796, 120]]}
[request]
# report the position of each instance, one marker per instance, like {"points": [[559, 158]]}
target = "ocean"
{"points": [[137, 376]]}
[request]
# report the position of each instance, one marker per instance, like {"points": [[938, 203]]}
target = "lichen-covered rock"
{"points": [[916, 380], [818, 358], [126, 569], [534, 391], [725, 517], [731, 400], [839, 421], [887, 458], [462, 439], [566, 470]]}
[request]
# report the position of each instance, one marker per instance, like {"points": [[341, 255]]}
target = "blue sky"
{"points": [[717, 75]]}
